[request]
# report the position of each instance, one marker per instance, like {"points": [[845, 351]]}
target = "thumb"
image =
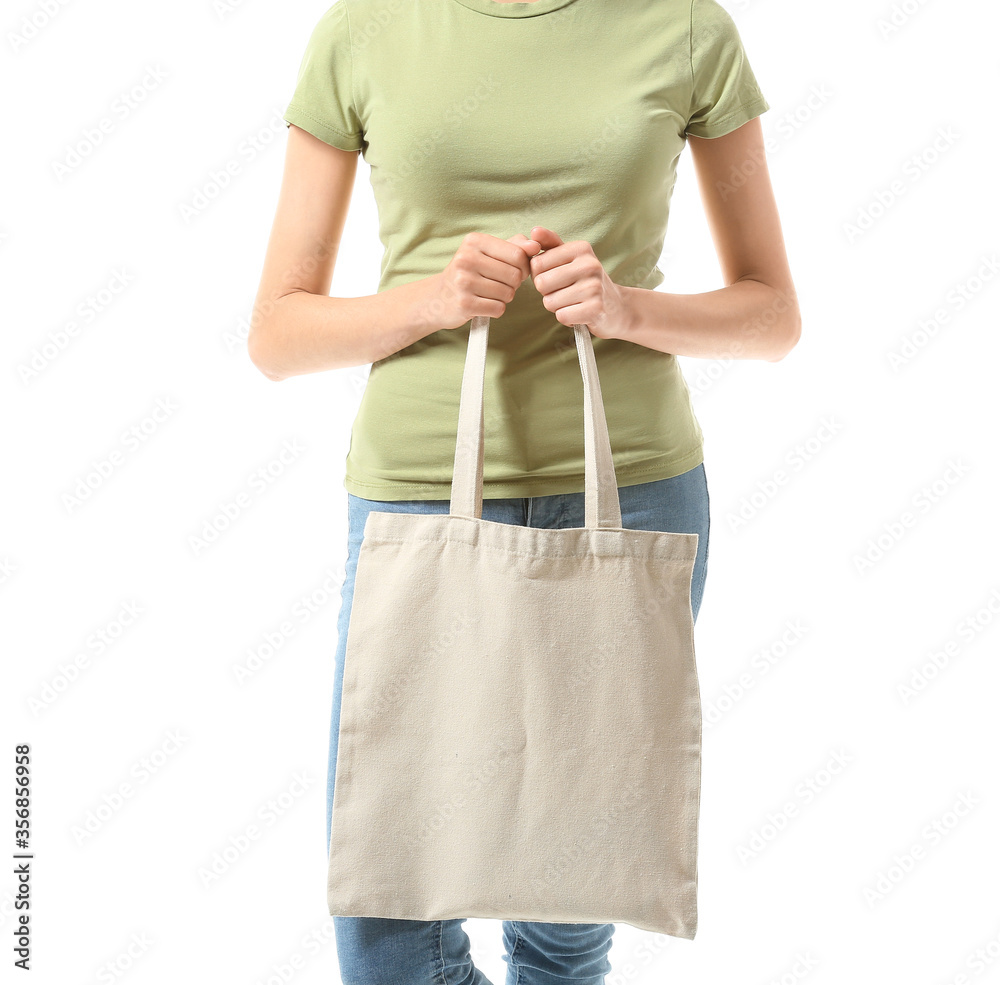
{"points": [[530, 246], [545, 237]]}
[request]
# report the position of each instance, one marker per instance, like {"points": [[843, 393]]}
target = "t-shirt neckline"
{"points": [[495, 9]]}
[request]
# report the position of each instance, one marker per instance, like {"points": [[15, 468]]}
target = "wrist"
{"points": [[427, 306], [628, 317]]}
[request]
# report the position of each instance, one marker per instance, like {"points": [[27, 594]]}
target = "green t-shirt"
{"points": [[481, 116]]}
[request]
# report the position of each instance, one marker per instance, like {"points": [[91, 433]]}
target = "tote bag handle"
{"points": [[601, 503]]}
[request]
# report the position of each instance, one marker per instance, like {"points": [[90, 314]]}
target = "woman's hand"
{"points": [[480, 279], [575, 287]]}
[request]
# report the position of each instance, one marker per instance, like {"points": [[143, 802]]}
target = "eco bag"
{"points": [[520, 727]]}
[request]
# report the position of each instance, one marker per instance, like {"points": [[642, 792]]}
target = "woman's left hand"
{"points": [[575, 286]]}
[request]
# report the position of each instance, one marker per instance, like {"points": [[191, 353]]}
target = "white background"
{"points": [[873, 872]]}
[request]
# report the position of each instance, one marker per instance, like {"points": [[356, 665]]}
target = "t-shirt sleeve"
{"points": [[724, 90], [323, 99]]}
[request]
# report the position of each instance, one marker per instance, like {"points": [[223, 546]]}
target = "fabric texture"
{"points": [[475, 115], [380, 950], [520, 725]]}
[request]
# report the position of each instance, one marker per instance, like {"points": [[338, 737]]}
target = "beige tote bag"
{"points": [[520, 731]]}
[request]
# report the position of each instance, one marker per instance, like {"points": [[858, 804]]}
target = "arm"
{"points": [[757, 315], [295, 327]]}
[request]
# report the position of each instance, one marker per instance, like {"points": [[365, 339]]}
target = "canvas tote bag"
{"points": [[520, 730]]}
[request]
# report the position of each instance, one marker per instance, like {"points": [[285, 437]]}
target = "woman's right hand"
{"points": [[481, 278]]}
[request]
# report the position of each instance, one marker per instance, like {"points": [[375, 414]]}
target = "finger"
{"points": [[530, 246], [550, 258], [563, 299], [511, 252], [506, 252], [555, 278], [495, 290], [546, 237], [502, 273]]}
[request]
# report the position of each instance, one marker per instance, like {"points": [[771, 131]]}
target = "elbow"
{"points": [[779, 320], [261, 356], [790, 337]]}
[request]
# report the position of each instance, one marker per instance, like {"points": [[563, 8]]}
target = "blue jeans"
{"points": [[378, 951]]}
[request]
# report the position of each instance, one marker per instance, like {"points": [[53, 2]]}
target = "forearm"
{"points": [[746, 320], [302, 333]]}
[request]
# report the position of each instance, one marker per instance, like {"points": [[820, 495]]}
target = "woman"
{"points": [[522, 156]]}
